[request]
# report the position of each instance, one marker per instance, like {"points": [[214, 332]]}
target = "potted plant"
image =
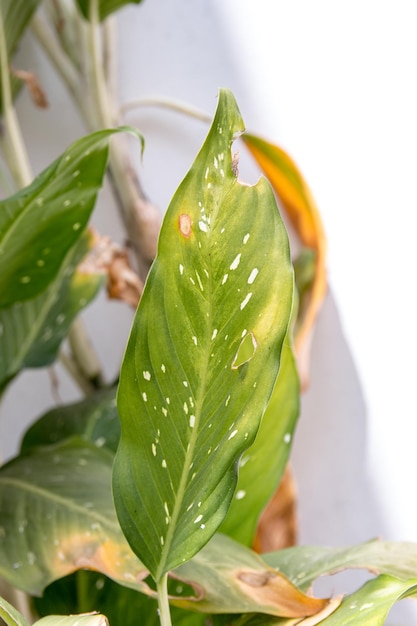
{"points": [[143, 500]]}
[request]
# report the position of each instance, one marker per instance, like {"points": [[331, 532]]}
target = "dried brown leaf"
{"points": [[278, 526], [33, 86]]}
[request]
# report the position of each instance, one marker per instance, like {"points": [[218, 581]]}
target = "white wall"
{"points": [[334, 84]]}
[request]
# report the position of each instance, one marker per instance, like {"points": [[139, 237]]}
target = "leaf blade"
{"points": [[32, 331], [54, 208], [272, 443], [184, 400], [58, 516]]}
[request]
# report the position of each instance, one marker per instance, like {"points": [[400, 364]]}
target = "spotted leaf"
{"points": [[57, 516], [41, 223], [273, 443], [32, 331], [203, 354]]}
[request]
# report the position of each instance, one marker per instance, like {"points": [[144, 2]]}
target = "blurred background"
{"points": [[334, 84]]}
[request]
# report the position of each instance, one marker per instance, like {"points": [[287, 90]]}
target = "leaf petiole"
{"points": [[163, 603]]}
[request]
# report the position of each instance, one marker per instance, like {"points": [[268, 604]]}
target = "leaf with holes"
{"points": [[32, 331], [272, 443], [57, 516], [41, 223], [203, 354], [105, 7]]}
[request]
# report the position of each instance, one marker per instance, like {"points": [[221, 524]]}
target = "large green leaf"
{"points": [[32, 331], [40, 224], [87, 591], [95, 418], [261, 467], [16, 15], [106, 7], [203, 354], [57, 516]]}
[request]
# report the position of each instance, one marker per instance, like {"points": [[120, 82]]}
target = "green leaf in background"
{"points": [[32, 331], [10, 616], [304, 564], [262, 466], [106, 7], [40, 224], [203, 354], [95, 418], [16, 15], [87, 591], [57, 516]]}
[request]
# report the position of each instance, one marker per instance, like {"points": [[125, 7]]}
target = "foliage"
{"points": [[143, 500]]}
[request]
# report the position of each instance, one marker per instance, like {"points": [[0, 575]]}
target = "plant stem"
{"points": [[167, 103], [163, 603], [14, 148], [98, 79]]}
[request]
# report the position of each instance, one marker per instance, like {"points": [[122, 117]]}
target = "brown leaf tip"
{"points": [[185, 225]]}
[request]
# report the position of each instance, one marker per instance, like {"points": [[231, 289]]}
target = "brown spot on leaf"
{"points": [[277, 595], [185, 225], [256, 579]]}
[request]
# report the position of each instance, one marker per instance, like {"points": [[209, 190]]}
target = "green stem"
{"points": [[71, 366], [13, 146], [167, 103], [163, 603], [98, 79]]}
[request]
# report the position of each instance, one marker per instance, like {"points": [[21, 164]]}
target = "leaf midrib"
{"points": [[199, 408], [53, 497]]}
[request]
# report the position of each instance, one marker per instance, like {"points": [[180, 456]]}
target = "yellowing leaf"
{"points": [[299, 204]]}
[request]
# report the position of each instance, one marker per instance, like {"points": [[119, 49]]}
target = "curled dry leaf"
{"points": [[34, 87], [302, 211], [277, 528], [106, 257]]}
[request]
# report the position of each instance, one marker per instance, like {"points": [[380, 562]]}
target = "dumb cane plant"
{"points": [[145, 508]]}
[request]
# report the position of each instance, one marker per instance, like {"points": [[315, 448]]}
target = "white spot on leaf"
{"points": [[192, 421], [253, 275], [240, 494], [147, 375], [233, 434], [246, 238], [236, 262], [245, 301]]}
